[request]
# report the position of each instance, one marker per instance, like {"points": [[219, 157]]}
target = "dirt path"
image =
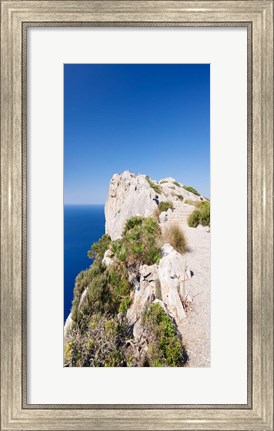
{"points": [[196, 327]]}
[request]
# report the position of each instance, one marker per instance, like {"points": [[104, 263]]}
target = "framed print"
{"points": [[137, 215]]}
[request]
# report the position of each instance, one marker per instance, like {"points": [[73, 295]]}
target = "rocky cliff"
{"points": [[148, 269], [131, 194]]}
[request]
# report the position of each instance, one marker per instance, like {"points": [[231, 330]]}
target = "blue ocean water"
{"points": [[83, 225]]}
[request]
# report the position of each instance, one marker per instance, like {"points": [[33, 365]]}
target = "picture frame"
{"points": [[17, 16]]}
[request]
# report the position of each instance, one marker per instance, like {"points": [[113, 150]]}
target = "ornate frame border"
{"points": [[16, 17]]}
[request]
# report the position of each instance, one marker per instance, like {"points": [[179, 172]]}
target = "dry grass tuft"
{"points": [[174, 236]]}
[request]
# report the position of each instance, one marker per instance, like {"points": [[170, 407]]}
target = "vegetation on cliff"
{"points": [[140, 243], [100, 334], [174, 236], [192, 190], [201, 215]]}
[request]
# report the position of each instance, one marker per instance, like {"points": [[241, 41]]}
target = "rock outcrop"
{"points": [[128, 195], [131, 194]]}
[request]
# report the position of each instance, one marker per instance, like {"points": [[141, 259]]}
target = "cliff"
{"points": [[147, 270], [131, 194]]}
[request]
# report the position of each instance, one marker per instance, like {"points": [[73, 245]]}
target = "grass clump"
{"points": [[201, 215], [174, 236], [140, 243], [192, 190], [99, 248], [165, 348], [190, 202], [154, 186], [165, 205]]}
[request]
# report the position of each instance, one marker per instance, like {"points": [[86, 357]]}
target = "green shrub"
{"points": [[106, 287], [194, 219], [204, 208], [180, 197], [154, 186], [201, 215], [83, 280], [163, 181], [125, 304], [192, 190], [174, 236], [119, 286], [102, 345], [140, 243], [165, 205], [177, 184], [190, 202], [165, 347], [132, 222], [99, 248]]}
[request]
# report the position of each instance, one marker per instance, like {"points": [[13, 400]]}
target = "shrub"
{"points": [[180, 197], [163, 181], [106, 287], [125, 304], [140, 242], [177, 184], [165, 347], [132, 222], [201, 215], [83, 280], [204, 208], [194, 219], [176, 238], [165, 205], [192, 190], [99, 248], [154, 186], [119, 286], [102, 345], [190, 202]]}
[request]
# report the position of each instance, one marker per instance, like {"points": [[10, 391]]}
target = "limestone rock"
{"points": [[145, 292], [171, 275], [108, 258], [68, 324], [129, 195]]}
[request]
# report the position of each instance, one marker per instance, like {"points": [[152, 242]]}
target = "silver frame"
{"points": [[17, 16]]}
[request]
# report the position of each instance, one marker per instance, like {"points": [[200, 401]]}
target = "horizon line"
{"points": [[83, 203]]}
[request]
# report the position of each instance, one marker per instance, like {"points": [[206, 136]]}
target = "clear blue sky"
{"points": [[151, 119]]}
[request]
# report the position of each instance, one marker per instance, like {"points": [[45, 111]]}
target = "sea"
{"points": [[83, 225]]}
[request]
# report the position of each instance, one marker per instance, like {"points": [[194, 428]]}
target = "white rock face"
{"points": [[128, 195], [144, 293], [171, 275], [108, 258], [131, 194], [68, 324]]}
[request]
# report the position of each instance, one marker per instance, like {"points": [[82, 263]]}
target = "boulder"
{"points": [[171, 276], [145, 292], [108, 258]]}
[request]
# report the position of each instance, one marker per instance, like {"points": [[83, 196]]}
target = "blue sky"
{"points": [[151, 119]]}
